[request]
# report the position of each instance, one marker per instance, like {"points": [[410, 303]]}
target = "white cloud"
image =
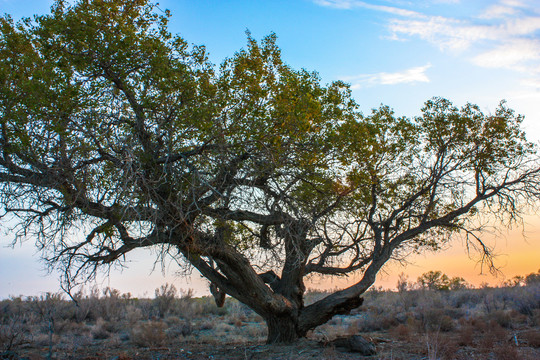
{"points": [[444, 32], [505, 37], [497, 11], [350, 4], [522, 26], [416, 74], [515, 55], [505, 34], [412, 75], [515, 3], [338, 4]]}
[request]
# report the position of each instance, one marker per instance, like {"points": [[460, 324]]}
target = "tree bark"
{"points": [[282, 329], [219, 295], [322, 311]]}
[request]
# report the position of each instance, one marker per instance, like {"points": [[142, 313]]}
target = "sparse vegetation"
{"points": [[415, 321], [117, 135]]}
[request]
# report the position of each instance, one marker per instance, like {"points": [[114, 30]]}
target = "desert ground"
{"points": [[501, 323]]}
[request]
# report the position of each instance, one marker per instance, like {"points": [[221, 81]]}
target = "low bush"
{"points": [[149, 334], [99, 330], [466, 323], [531, 338]]}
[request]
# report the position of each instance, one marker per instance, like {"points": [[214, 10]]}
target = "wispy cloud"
{"points": [[412, 75], [515, 3], [457, 34], [444, 32], [504, 35], [498, 11], [520, 55], [351, 4]]}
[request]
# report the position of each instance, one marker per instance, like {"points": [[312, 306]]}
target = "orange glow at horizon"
{"points": [[516, 256], [517, 253]]}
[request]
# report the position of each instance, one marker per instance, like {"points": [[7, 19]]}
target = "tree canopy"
{"points": [[436, 280], [254, 173]]}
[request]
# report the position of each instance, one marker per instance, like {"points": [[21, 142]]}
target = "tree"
{"points": [[434, 280], [117, 135], [516, 281], [532, 278], [403, 283], [458, 283]]}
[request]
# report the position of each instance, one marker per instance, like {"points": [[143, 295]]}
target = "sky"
{"points": [[394, 52]]}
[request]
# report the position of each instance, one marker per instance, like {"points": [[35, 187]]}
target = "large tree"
{"points": [[117, 135]]}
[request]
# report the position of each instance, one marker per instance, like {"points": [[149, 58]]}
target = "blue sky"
{"points": [[395, 52]]}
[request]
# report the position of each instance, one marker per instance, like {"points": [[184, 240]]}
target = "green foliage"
{"points": [[104, 87]]}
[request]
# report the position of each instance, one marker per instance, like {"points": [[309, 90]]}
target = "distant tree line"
{"points": [[437, 280]]}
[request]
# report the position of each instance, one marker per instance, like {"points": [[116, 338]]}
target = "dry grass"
{"points": [[498, 323]]}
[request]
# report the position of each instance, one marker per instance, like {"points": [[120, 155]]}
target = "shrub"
{"points": [[502, 318], [149, 334], [133, 314], [526, 299], [83, 307], [435, 319], [181, 329], [111, 304], [13, 334], [479, 325], [496, 332], [532, 338], [491, 302], [463, 298], [369, 322], [99, 331], [402, 332], [255, 331], [206, 325], [506, 352], [535, 318], [165, 298], [466, 335], [439, 346]]}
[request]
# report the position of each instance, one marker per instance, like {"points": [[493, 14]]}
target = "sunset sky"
{"points": [[395, 52]]}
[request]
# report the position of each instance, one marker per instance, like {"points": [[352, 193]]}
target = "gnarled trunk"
{"points": [[282, 329], [287, 328]]}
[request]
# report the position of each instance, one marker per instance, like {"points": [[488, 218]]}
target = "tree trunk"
{"points": [[282, 329]]}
